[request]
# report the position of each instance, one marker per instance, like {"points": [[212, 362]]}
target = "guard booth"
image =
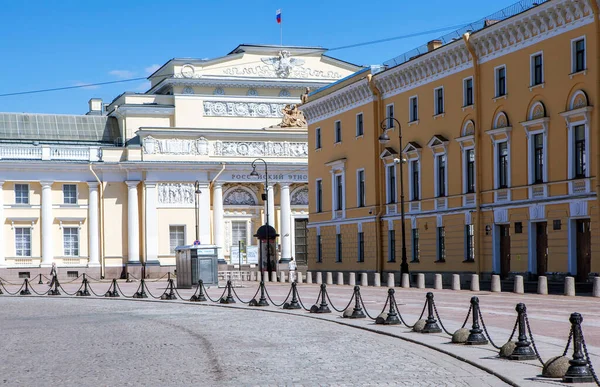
{"points": [[196, 262], [267, 260]]}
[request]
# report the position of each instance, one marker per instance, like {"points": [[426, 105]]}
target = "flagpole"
{"points": [[281, 33]]}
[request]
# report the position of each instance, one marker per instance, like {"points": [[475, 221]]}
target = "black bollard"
{"points": [[229, 299], [85, 292], [141, 292], [262, 301], [169, 293], [25, 291], [523, 350], [200, 296], [476, 336], [431, 325], [579, 369], [294, 303], [392, 317], [323, 307], [56, 284], [40, 282], [357, 312], [113, 292]]}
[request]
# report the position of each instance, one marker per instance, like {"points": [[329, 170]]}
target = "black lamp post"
{"points": [[265, 198], [196, 200], [383, 139]]}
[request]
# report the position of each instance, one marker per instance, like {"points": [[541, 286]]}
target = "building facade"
{"points": [[123, 185], [499, 152]]}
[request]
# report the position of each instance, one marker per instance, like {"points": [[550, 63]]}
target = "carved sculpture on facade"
{"points": [[176, 194], [300, 197], [242, 109], [258, 148], [239, 197], [283, 63], [292, 117], [175, 146]]}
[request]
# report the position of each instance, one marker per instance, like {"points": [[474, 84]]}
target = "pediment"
{"points": [[412, 147], [437, 141], [388, 153]]}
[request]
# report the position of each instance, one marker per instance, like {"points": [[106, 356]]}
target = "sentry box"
{"points": [[196, 262]]}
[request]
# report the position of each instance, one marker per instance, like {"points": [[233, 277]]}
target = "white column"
{"points": [[271, 200], [47, 237], [133, 223], [286, 244], [2, 257], [93, 225], [204, 218], [151, 215], [218, 221]]}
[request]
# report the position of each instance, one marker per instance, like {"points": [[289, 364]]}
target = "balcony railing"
{"points": [[46, 152]]}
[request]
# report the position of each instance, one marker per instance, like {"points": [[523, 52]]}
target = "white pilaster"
{"points": [[133, 223], [218, 221], [2, 252], [93, 225], [151, 215], [47, 238], [286, 245], [204, 218], [271, 200]]}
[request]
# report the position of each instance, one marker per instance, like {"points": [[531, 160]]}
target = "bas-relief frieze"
{"points": [[239, 197], [300, 197], [242, 109], [176, 194], [175, 146], [256, 148]]}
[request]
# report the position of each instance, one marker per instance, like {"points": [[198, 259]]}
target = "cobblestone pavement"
{"points": [[67, 341]]}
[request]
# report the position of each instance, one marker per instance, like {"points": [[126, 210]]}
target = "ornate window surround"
{"points": [[501, 133], [412, 152], [537, 123], [439, 146], [466, 142], [338, 168], [389, 157]]}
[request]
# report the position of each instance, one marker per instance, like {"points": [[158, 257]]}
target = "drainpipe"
{"points": [[596, 12], [377, 106], [217, 176], [477, 142], [101, 184]]}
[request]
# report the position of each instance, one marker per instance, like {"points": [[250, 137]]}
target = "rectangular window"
{"points": [[361, 247], [391, 245], [414, 109], [441, 175], [69, 194], [537, 75], [338, 131], [469, 242], [318, 138], [415, 193], [23, 241], [359, 125], [238, 232], [22, 193], [338, 192], [71, 241], [470, 172], [500, 81], [361, 188], [441, 244], [390, 115], [415, 245], [580, 157], [439, 100], [319, 250], [468, 92], [176, 237], [538, 154], [391, 183], [503, 165], [319, 196], [579, 55], [338, 247]]}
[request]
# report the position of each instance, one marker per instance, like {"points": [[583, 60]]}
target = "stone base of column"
{"points": [[284, 260], [134, 269], [95, 264], [46, 264]]}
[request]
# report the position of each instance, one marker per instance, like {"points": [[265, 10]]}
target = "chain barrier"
{"points": [[70, 294], [156, 280], [302, 304], [367, 312], [486, 331], [340, 310], [150, 293], [38, 293], [535, 350], [9, 293], [69, 282], [589, 360], [121, 291], [442, 324], [274, 303], [198, 295], [245, 302], [94, 293], [8, 282], [402, 319], [217, 300]]}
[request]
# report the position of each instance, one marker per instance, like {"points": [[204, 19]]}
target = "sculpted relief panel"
{"points": [[300, 197], [242, 109], [255, 148], [175, 146], [176, 194]]}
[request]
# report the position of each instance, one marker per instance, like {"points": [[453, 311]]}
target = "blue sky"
{"points": [[69, 42]]}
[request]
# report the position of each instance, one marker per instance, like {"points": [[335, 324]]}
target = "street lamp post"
{"points": [[265, 198], [383, 139], [196, 200]]}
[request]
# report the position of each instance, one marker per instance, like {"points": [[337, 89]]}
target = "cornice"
{"points": [[263, 83]]}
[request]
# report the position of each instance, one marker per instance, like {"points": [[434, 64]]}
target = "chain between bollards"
{"points": [[357, 312], [141, 291], [55, 283], [579, 369], [26, 292], [113, 292], [85, 291], [200, 297], [523, 350], [476, 336], [323, 307], [293, 304], [431, 325], [169, 293], [229, 299]]}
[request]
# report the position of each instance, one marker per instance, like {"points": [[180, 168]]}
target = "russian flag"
{"points": [[278, 15]]}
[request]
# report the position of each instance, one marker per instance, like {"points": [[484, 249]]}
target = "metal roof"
{"points": [[56, 127]]}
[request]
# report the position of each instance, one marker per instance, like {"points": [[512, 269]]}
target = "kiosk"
{"points": [[197, 262]]}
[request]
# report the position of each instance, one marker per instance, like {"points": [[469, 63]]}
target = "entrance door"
{"points": [[584, 251], [541, 247], [504, 250], [301, 241]]}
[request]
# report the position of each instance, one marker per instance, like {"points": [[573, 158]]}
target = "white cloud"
{"points": [[85, 85], [152, 68], [122, 73]]}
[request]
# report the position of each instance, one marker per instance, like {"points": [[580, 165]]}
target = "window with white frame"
{"points": [[238, 232], [176, 237], [468, 92], [21, 193], [389, 110], [319, 249], [438, 100], [69, 194], [441, 181], [579, 152], [360, 188], [319, 192], [413, 105], [71, 241], [318, 138], [361, 247], [391, 245], [359, 125], [537, 69], [391, 183], [415, 245], [338, 131], [538, 158], [339, 192], [502, 163], [469, 170], [338, 247], [23, 241], [441, 244], [469, 243], [578, 55], [500, 77], [415, 179]]}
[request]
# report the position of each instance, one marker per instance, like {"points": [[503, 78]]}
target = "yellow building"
{"points": [[499, 152]]}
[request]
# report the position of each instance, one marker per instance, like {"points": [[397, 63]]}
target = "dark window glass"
{"points": [[441, 175], [415, 179], [468, 92], [338, 247], [415, 245], [319, 196], [391, 246], [503, 165], [361, 247], [319, 249], [501, 80], [318, 138], [338, 131], [470, 172], [361, 188], [391, 184], [580, 157], [359, 125], [469, 242], [441, 239], [538, 154], [338, 191], [537, 70], [579, 55], [439, 101], [390, 115], [414, 109]]}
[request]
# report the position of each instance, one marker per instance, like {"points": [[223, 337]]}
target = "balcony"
{"points": [[579, 186], [538, 191], [49, 153]]}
